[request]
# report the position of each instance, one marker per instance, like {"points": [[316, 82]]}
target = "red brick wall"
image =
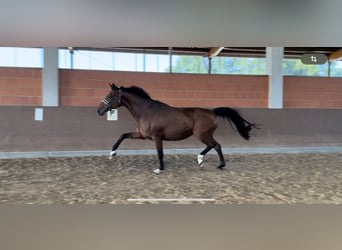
{"points": [[312, 92], [20, 86], [86, 88]]}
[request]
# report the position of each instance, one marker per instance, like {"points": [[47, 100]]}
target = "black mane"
{"points": [[138, 91]]}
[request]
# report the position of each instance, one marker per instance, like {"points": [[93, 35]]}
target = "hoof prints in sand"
{"points": [[249, 178]]}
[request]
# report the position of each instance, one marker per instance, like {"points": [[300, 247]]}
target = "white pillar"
{"points": [[50, 83], [274, 56]]}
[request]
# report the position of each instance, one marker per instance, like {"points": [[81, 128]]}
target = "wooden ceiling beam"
{"points": [[215, 51], [335, 56]]}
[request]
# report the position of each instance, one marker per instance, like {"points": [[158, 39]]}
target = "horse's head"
{"points": [[111, 101]]}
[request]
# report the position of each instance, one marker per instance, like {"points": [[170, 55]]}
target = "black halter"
{"points": [[107, 101]]}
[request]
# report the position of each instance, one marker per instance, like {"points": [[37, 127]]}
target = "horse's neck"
{"points": [[136, 105]]}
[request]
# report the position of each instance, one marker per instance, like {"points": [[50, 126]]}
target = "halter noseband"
{"points": [[108, 100]]}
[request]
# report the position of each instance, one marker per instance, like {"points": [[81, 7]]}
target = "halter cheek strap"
{"points": [[120, 94]]}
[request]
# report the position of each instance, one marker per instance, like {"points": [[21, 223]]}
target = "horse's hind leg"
{"points": [[211, 143], [220, 154], [200, 157]]}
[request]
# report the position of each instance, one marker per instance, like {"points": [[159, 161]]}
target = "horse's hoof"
{"points": [[157, 171], [200, 160], [221, 167], [112, 153]]}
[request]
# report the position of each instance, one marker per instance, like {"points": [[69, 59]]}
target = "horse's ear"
{"points": [[112, 86]]}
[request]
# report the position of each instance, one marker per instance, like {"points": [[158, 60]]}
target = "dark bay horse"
{"points": [[158, 121]]}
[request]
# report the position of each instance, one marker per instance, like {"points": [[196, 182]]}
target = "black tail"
{"points": [[232, 115]]}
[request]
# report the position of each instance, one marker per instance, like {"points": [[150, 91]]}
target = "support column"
{"points": [[50, 84], [274, 56]]}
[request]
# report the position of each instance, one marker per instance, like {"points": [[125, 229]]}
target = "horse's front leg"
{"points": [[130, 135], [159, 146]]}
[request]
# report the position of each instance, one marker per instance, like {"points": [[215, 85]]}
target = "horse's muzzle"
{"points": [[100, 112]]}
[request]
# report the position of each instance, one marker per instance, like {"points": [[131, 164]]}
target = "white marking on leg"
{"points": [[200, 160], [111, 154], [157, 171]]}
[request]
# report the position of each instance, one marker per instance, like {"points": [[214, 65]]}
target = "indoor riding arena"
{"points": [[54, 147]]}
